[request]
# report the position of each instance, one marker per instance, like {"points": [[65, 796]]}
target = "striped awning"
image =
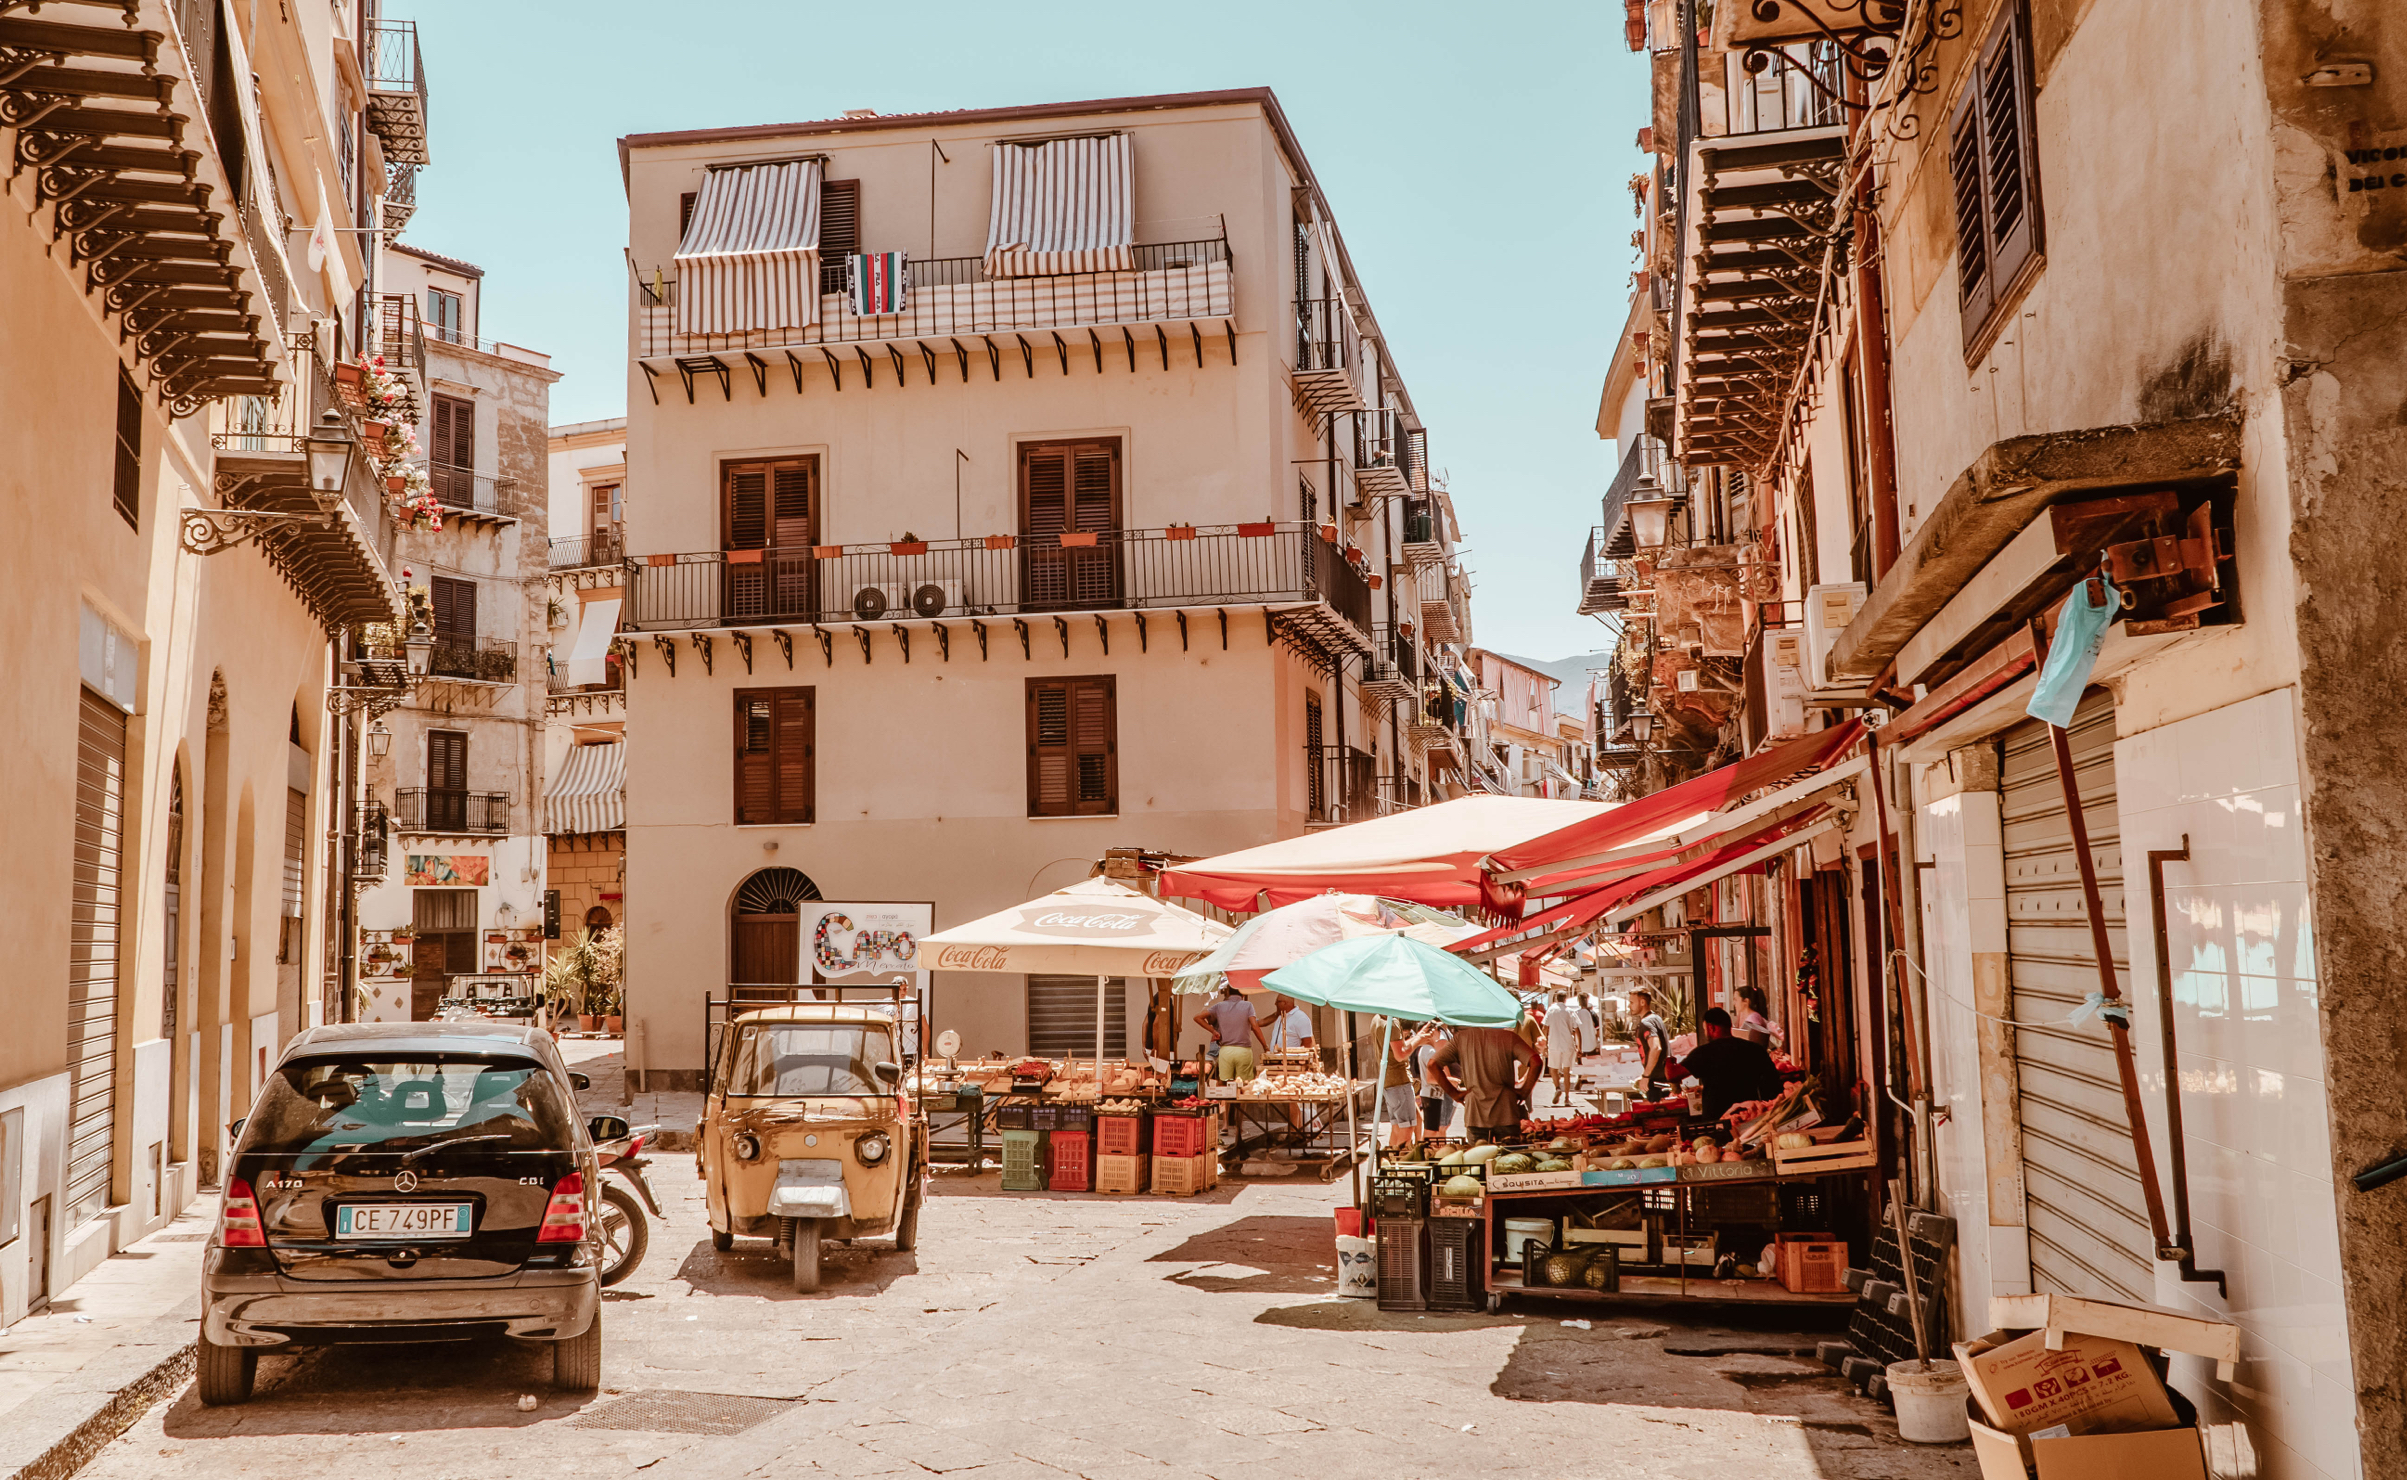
{"points": [[750, 257], [590, 793], [1064, 206]]}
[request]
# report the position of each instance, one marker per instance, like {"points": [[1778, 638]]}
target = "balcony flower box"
{"points": [[826, 552], [1001, 542], [908, 547], [1329, 533], [374, 433], [347, 380], [1179, 532], [743, 557], [1261, 531], [396, 486], [1078, 539], [1375, 583]]}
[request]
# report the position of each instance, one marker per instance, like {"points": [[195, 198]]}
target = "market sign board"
{"points": [[856, 942]]}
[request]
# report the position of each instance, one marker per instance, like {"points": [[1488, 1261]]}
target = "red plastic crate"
{"points": [[1073, 1159], [1185, 1135], [1119, 1135]]}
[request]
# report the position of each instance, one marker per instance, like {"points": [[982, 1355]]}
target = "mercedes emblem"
{"points": [[405, 1181]]}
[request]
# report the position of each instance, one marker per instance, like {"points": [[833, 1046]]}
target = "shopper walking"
{"points": [[1490, 1071], [1234, 1028], [1562, 1045], [1654, 1045]]}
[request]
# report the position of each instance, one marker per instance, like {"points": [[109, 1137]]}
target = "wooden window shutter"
{"points": [[747, 506], [839, 218], [1073, 747], [126, 486], [1973, 287], [1095, 486], [2011, 161], [1044, 491], [790, 498], [797, 762], [455, 608], [446, 760], [755, 756], [685, 214]]}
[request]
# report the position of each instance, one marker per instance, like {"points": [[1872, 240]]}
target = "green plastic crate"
{"points": [[1023, 1161]]}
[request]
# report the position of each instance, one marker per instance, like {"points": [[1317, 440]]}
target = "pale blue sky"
{"points": [[1476, 156]]}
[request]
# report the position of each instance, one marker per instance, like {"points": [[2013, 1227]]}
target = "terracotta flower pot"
{"points": [[1001, 541], [1179, 532], [1078, 540], [588, 1022], [1329, 533], [613, 1023], [908, 547], [826, 552], [394, 486], [1261, 531]]}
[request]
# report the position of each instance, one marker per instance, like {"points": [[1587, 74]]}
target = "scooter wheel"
{"points": [[624, 1235]]}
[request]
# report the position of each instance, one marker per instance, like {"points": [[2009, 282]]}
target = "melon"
{"points": [[1554, 1164], [1479, 1155], [1462, 1187], [1512, 1164]]}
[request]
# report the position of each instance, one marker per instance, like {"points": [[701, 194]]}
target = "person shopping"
{"points": [[1490, 1071], [1562, 1028], [1231, 1021], [1731, 1069], [1654, 1046]]}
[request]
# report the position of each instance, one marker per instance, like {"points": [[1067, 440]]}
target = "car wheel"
{"points": [[721, 1240], [226, 1372], [577, 1362], [906, 1228], [806, 1255], [624, 1236]]}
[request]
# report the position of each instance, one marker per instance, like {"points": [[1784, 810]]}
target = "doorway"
{"points": [[764, 935]]}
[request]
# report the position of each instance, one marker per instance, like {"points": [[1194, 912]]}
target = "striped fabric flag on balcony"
{"points": [[881, 283]]}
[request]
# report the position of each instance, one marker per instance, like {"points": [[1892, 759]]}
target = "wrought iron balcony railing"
{"points": [[1342, 785], [557, 680], [1775, 89], [426, 809], [371, 831], [397, 90], [476, 659], [401, 334], [400, 194], [1600, 577], [999, 576], [606, 546], [1328, 353], [970, 319]]}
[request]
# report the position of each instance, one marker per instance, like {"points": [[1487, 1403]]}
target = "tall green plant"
{"points": [[570, 978]]}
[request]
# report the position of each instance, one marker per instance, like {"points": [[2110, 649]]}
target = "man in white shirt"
{"points": [[1562, 1027], [1290, 1026], [1591, 1026]]}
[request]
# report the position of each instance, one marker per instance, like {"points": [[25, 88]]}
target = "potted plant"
{"points": [[610, 999], [1078, 539], [1257, 531], [826, 552], [568, 982], [1179, 532], [1329, 532], [909, 544], [1001, 541]]}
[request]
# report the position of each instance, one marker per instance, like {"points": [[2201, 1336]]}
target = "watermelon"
{"points": [[1462, 1187], [1510, 1165]]}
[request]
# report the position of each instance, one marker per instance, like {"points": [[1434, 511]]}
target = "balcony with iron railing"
{"points": [[956, 318], [605, 546], [1289, 567], [401, 336], [1328, 356], [1600, 577], [1341, 785], [1392, 671], [1776, 89], [370, 834], [397, 89], [558, 680], [1385, 458], [400, 194], [423, 809]]}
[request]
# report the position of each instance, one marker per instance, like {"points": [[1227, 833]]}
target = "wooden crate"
{"points": [[1826, 1156], [1123, 1173], [1184, 1176]]}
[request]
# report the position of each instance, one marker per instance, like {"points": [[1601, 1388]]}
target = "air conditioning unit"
{"points": [[898, 600], [1828, 610], [1779, 678]]}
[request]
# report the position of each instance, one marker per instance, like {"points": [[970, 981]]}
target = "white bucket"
{"points": [[1930, 1402], [1357, 1265]]}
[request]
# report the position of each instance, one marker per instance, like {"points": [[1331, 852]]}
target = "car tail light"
{"points": [[564, 1215], [238, 1218]]}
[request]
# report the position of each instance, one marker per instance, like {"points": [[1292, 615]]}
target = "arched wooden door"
{"points": [[764, 934]]}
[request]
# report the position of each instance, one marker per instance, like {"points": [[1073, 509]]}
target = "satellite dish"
{"points": [[869, 603], [948, 1043], [928, 600]]}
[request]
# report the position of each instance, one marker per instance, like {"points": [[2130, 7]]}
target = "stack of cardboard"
{"points": [[2063, 1390]]}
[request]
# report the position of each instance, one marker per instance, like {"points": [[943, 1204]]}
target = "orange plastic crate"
{"points": [[1119, 1135], [1072, 1162], [1181, 1176], [1122, 1173], [1185, 1135]]}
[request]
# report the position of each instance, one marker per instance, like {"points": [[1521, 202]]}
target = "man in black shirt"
{"points": [[1731, 1069]]}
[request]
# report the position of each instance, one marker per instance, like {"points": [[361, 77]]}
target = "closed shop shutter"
{"points": [[2088, 1217], [92, 954], [1061, 1017]]}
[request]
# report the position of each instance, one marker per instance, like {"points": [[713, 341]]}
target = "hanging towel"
{"points": [[2073, 652], [881, 282]]}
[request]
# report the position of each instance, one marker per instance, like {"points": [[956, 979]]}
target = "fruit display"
{"points": [[1287, 1085]]}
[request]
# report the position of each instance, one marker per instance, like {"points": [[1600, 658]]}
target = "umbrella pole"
{"points": [[1099, 981], [1387, 1036], [1353, 1131]]}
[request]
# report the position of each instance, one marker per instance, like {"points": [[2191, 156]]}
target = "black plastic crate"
{"points": [[1395, 1196], [1073, 1117], [1403, 1264], [1045, 1115], [1457, 1250], [1015, 1115]]}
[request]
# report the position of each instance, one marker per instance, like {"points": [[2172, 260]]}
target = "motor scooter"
{"points": [[624, 1233]]}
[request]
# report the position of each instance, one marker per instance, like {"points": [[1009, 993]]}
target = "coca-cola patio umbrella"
{"points": [[1098, 927]]}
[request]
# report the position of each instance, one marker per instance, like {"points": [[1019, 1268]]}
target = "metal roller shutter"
{"points": [[1061, 1017], [92, 954], [2087, 1214]]}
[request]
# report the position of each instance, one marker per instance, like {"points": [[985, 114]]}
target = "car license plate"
{"points": [[402, 1220]]}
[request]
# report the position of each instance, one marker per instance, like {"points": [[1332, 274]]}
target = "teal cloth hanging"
{"points": [[2080, 630]]}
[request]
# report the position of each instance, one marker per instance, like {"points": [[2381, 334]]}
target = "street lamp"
{"points": [[380, 741], [420, 648], [1650, 511], [329, 450], [1642, 726]]}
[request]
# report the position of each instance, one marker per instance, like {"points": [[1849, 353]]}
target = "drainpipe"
{"points": [[1917, 1003]]}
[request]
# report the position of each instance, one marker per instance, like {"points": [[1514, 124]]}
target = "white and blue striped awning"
{"points": [[590, 793]]}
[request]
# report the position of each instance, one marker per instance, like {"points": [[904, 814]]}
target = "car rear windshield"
{"points": [[331, 1107], [808, 1059]]}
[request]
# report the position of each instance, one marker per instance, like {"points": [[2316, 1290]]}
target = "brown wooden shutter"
{"points": [[755, 757], [796, 759], [452, 458], [1973, 288], [126, 487], [2011, 160], [94, 941], [839, 218], [685, 214], [455, 608], [446, 760], [747, 505], [1073, 747], [1070, 486]]}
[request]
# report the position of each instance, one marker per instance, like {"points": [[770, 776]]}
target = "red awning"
{"points": [[1675, 819]]}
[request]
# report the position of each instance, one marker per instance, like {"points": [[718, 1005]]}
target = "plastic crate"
{"points": [[1015, 1115], [1457, 1254], [1184, 1176], [1045, 1115], [1403, 1264], [1023, 1161], [1073, 1117], [1185, 1135], [1071, 1161], [1119, 1135], [1400, 1197], [1123, 1173]]}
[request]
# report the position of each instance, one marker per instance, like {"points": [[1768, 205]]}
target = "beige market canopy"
{"points": [[1099, 928]]}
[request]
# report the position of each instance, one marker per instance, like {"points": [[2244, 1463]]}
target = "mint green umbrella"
{"points": [[1398, 977]]}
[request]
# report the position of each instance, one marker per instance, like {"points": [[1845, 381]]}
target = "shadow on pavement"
{"points": [[754, 1267], [387, 1389], [990, 1184], [1280, 1256]]}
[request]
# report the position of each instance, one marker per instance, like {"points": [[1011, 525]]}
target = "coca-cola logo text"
{"points": [[1086, 923]]}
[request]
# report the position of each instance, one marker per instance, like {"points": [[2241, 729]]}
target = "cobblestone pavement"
{"points": [[1035, 1337]]}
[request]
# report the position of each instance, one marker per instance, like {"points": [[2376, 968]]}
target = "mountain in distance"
{"points": [[1573, 671]]}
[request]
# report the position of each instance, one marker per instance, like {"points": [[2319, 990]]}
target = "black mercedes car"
{"points": [[404, 1182]]}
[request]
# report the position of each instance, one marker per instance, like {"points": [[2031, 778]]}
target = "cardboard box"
{"points": [[2093, 1385], [1809, 1263], [1532, 1181], [2159, 1454], [2145, 1325]]}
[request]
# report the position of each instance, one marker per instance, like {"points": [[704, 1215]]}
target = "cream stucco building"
{"points": [[1085, 508]]}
